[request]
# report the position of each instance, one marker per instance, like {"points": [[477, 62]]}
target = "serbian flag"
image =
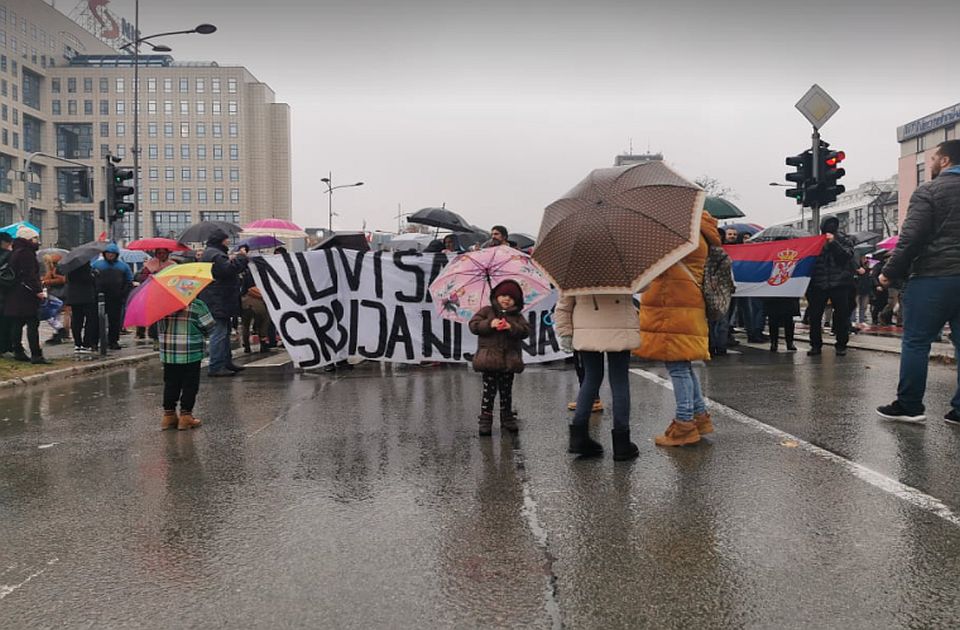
{"points": [[775, 268]]}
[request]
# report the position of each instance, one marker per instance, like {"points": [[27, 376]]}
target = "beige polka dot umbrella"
{"points": [[619, 228]]}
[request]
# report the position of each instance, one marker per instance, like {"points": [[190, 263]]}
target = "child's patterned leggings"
{"points": [[492, 383]]}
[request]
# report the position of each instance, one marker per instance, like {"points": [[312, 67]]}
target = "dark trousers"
{"points": [[840, 299], [494, 382], [33, 335], [776, 323], [85, 325], [580, 369], [114, 308], [6, 334], [619, 376], [181, 382]]}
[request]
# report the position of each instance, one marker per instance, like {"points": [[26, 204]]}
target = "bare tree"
{"points": [[714, 187]]}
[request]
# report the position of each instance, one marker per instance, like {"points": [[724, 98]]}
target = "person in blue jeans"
{"points": [[222, 296], [928, 253]]}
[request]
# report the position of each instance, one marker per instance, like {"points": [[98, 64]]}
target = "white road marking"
{"points": [[51, 445], [7, 590], [889, 485]]}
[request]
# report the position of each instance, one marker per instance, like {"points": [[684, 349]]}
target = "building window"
{"points": [[121, 151], [201, 130], [152, 129], [152, 85], [168, 151], [232, 86], [234, 174], [168, 108], [54, 84], [104, 130], [72, 85], [218, 195], [66, 185], [215, 107], [33, 132], [74, 141], [201, 108], [185, 174], [55, 107], [184, 130], [234, 130], [104, 108], [88, 85], [5, 137], [170, 224], [921, 172], [154, 195], [201, 195], [184, 85], [167, 86], [234, 152], [170, 195], [154, 173], [6, 184], [201, 151], [184, 108], [215, 86], [88, 107], [232, 108], [168, 130], [31, 89], [202, 174], [4, 110], [152, 108], [217, 130], [119, 84], [218, 151], [921, 144], [234, 195], [71, 107], [184, 151], [186, 195], [104, 85], [950, 133], [104, 150], [220, 215], [121, 108], [200, 86], [218, 174], [152, 152], [121, 129]]}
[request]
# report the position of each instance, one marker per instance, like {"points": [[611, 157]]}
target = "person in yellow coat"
{"points": [[673, 329]]}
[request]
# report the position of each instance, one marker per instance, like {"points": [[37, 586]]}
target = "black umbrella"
{"points": [[200, 232], [777, 232], [345, 240], [469, 239], [440, 218], [866, 237], [521, 241], [81, 255]]}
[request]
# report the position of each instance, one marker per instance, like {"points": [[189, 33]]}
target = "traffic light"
{"points": [[117, 190], [830, 174], [802, 178]]}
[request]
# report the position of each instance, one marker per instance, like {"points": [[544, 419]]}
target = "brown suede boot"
{"points": [[703, 422], [169, 420], [187, 421], [485, 423], [679, 434]]}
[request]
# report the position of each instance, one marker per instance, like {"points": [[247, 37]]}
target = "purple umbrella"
{"points": [[260, 241]]}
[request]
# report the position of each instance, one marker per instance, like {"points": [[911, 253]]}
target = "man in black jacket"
{"points": [[929, 253], [831, 280], [222, 297], [6, 247]]}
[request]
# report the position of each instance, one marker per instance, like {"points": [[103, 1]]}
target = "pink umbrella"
{"points": [[275, 227], [889, 243], [464, 286]]}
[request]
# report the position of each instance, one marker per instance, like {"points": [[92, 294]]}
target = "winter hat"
{"points": [[27, 233], [112, 248], [829, 225], [511, 288]]}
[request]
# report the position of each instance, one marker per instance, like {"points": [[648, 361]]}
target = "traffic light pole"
{"points": [[815, 208]]}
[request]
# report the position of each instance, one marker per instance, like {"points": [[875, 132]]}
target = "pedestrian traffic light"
{"points": [[802, 178], [830, 174], [117, 190]]}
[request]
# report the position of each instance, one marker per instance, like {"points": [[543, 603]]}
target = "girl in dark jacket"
{"points": [[501, 330]]}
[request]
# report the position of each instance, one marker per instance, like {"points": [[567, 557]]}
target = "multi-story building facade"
{"points": [[214, 144], [918, 139]]}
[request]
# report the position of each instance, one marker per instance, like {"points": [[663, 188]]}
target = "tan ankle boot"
{"points": [[187, 421], [679, 434], [703, 422], [169, 420]]}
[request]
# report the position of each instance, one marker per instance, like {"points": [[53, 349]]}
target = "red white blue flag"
{"points": [[775, 268]]}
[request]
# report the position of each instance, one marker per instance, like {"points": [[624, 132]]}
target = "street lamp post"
{"points": [[202, 29], [328, 180]]}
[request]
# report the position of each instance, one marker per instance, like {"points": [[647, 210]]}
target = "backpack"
{"points": [[718, 285]]}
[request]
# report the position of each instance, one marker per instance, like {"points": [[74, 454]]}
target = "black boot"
{"points": [[581, 444], [508, 421], [623, 448], [485, 423]]}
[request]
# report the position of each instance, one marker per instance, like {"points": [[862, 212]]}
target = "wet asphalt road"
{"points": [[366, 500]]}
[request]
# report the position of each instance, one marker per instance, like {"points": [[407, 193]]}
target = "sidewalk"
{"points": [[66, 363]]}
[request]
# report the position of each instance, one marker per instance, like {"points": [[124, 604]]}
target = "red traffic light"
{"points": [[836, 158]]}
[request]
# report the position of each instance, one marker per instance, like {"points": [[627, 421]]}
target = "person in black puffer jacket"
{"points": [[6, 246], [832, 280], [501, 330], [23, 299], [81, 296], [222, 297]]}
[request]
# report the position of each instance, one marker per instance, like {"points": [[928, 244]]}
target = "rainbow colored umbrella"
{"points": [[166, 292], [464, 286]]}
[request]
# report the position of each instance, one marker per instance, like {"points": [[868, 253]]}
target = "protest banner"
{"points": [[332, 304]]}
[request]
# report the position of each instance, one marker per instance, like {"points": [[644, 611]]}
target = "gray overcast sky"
{"points": [[497, 107]]}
